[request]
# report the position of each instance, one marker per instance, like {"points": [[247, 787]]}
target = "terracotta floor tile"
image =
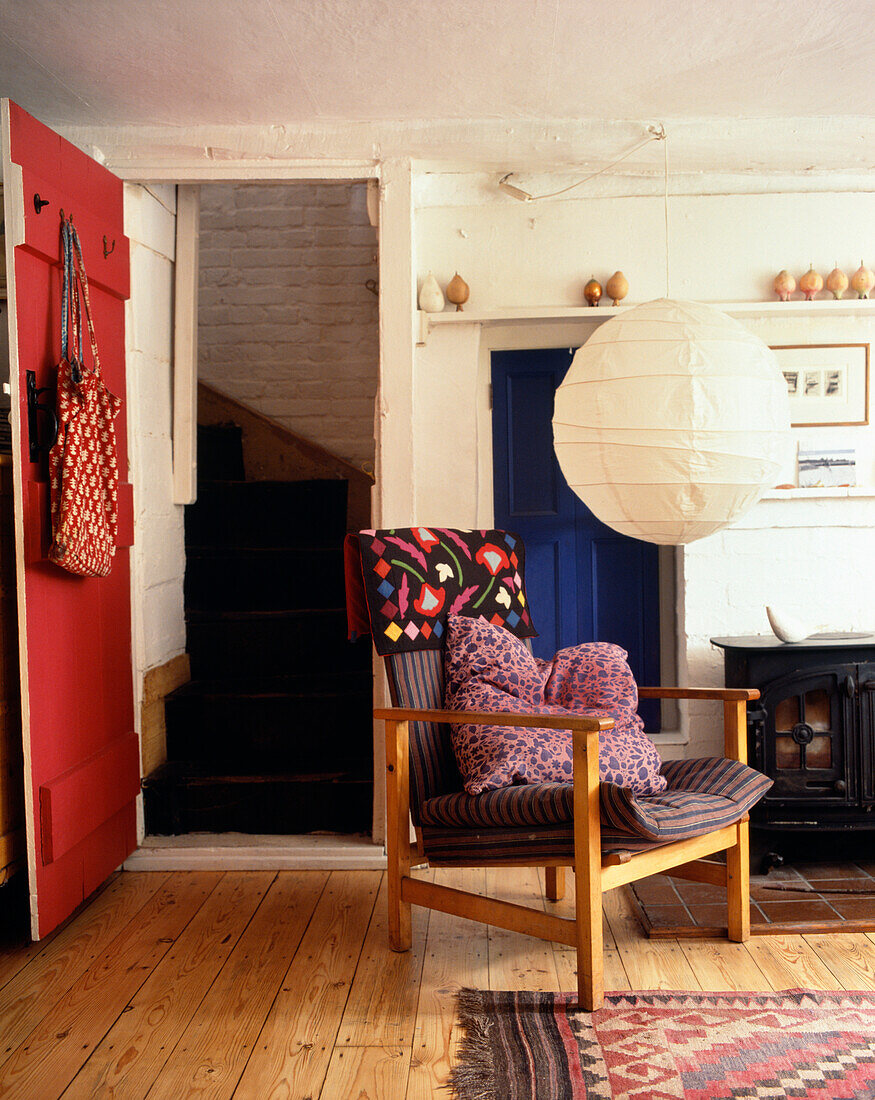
{"points": [[668, 916], [815, 871], [798, 903], [779, 874], [793, 912], [656, 890], [855, 908], [845, 885], [699, 893]]}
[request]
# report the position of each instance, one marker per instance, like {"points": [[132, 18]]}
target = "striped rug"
{"points": [[649, 1046]]}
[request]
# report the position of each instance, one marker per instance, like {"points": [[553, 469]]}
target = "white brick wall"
{"points": [[286, 324]]}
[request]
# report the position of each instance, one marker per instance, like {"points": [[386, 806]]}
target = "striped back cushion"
{"points": [[416, 679]]}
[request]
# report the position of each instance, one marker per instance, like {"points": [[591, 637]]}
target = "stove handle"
{"points": [[850, 687]]}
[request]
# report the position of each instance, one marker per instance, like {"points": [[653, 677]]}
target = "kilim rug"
{"points": [[652, 1046]]}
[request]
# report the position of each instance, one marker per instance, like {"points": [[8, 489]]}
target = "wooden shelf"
{"points": [[846, 307]]}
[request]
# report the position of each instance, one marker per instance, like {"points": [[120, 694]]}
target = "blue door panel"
{"points": [[533, 488], [623, 566], [585, 582], [542, 565]]}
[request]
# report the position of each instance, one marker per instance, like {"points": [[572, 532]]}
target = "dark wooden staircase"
{"points": [[273, 733]]}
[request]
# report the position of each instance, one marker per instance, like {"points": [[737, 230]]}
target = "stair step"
{"points": [[271, 643], [180, 799], [240, 578], [268, 513], [360, 679], [220, 452], [269, 733]]}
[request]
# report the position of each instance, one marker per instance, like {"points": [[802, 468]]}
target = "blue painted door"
{"points": [[585, 581]]}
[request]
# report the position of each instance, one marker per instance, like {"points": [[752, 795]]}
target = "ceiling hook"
{"points": [[108, 251]]}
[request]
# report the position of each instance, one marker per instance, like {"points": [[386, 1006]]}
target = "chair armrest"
{"points": [[734, 701], [490, 718], [723, 694]]}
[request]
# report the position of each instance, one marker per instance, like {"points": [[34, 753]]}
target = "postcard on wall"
{"points": [[826, 383], [827, 469]]}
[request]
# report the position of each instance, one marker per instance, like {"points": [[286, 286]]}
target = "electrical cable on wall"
{"points": [[656, 132]]}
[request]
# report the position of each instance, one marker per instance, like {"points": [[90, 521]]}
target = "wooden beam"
{"points": [[398, 832], [701, 870], [738, 885], [501, 914], [185, 344], [486, 718], [554, 880], [735, 730], [588, 875], [656, 861], [697, 693]]}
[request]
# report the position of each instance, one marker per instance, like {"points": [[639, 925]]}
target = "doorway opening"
{"points": [[272, 735]]}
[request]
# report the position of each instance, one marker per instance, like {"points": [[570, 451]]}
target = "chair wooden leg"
{"points": [[555, 877], [398, 833], [587, 873], [738, 886]]}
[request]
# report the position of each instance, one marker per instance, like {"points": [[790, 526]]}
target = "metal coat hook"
{"points": [[39, 203], [108, 251], [373, 286]]}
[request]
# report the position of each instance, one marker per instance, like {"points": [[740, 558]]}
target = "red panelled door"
{"points": [[81, 752]]}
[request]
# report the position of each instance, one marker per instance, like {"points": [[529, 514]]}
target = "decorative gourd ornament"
{"points": [[593, 291], [811, 284], [837, 282], [785, 284], [431, 297], [862, 281], [458, 291], [617, 287]]}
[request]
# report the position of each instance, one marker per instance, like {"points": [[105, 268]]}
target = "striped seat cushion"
{"points": [[511, 847], [702, 795]]}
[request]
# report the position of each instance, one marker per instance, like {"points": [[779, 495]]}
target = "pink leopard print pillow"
{"points": [[486, 668]]}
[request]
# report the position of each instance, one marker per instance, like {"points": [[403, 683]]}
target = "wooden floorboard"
{"points": [[224, 986]]}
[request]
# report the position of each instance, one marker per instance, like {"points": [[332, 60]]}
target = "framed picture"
{"points": [[827, 383]]}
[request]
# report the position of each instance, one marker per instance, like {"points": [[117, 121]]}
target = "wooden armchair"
{"points": [[609, 835], [595, 871]]}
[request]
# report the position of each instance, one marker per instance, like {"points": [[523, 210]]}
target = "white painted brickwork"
{"points": [[286, 324]]}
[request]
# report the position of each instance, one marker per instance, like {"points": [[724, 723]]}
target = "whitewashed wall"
{"points": [[286, 323], [158, 561], [810, 555]]}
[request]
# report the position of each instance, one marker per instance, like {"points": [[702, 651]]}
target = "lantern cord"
{"points": [[655, 132]]}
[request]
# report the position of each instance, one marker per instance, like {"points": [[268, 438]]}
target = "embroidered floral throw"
{"points": [[415, 576]]}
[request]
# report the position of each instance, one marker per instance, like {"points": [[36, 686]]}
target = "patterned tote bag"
{"points": [[83, 464]]}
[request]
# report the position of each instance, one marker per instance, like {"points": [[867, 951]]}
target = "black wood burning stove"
{"points": [[812, 729]]}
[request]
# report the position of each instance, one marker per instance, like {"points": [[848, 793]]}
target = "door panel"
{"points": [[585, 581], [81, 754]]}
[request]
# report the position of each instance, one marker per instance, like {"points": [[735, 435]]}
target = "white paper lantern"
{"points": [[672, 421]]}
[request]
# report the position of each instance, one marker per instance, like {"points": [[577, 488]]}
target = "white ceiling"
{"points": [[186, 63]]}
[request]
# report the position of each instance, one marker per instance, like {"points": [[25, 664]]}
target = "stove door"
{"points": [[809, 744]]}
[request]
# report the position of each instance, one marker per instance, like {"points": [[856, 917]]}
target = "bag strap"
{"points": [[82, 282], [66, 305]]}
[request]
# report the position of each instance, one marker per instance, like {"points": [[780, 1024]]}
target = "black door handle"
{"points": [[35, 406]]}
